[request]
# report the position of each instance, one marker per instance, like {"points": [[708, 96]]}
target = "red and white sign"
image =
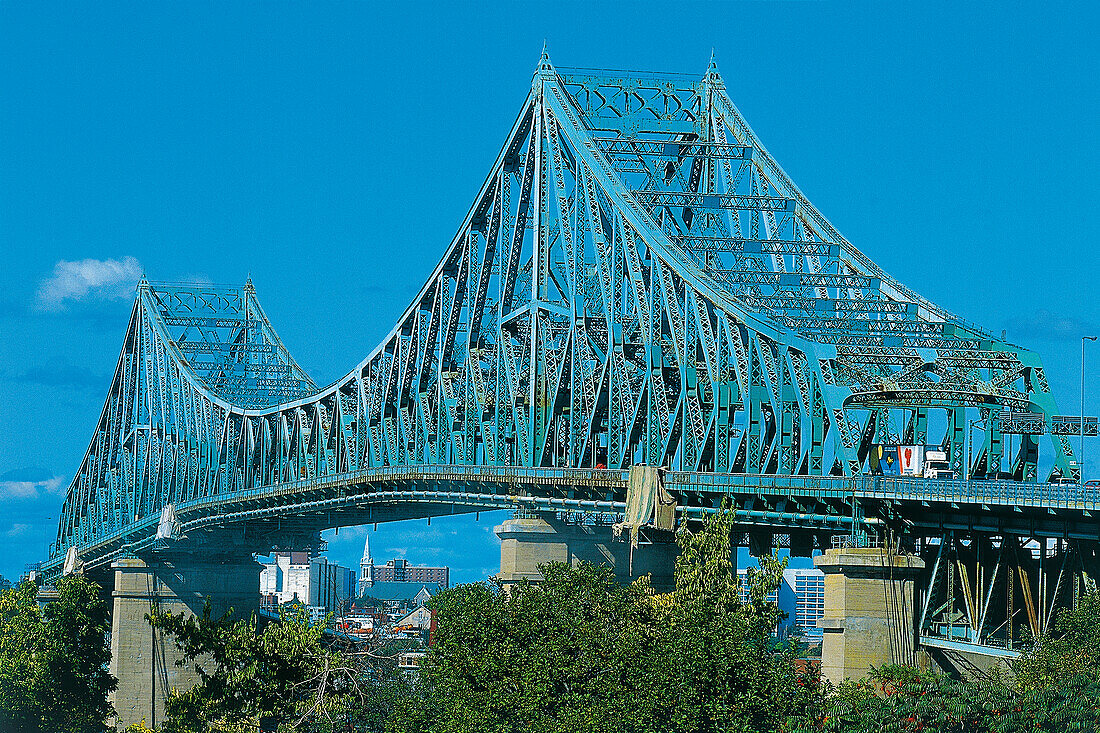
{"points": [[911, 459]]}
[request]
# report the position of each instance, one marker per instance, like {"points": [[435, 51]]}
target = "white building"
{"points": [[420, 618], [743, 578], [289, 576], [802, 596]]}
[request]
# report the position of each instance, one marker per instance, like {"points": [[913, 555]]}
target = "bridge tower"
{"points": [[870, 610], [531, 539]]}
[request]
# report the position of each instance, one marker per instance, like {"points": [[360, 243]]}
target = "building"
{"points": [[802, 598], [397, 597], [743, 583], [398, 570], [366, 568], [409, 662], [415, 621], [290, 576]]}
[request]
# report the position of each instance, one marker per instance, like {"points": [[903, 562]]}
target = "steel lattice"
{"points": [[637, 281]]}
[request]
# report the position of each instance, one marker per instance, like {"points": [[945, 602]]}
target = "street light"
{"points": [[1082, 457]]}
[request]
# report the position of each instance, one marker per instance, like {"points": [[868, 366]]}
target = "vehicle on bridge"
{"points": [[936, 466]]}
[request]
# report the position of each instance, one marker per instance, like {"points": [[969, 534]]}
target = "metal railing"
{"points": [[472, 485]]}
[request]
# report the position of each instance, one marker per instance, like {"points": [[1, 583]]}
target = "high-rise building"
{"points": [[398, 570], [743, 578], [290, 576], [802, 597]]}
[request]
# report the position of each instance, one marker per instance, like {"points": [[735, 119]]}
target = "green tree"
{"points": [[905, 699], [1071, 649], [578, 651], [570, 653], [280, 676], [22, 657], [727, 671], [1054, 686], [53, 662]]}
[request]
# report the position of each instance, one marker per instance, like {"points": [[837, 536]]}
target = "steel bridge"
{"points": [[636, 282]]}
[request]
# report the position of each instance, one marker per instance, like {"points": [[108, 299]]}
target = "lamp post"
{"points": [[1081, 458]]}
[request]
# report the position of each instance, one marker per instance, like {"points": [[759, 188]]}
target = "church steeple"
{"points": [[366, 568]]}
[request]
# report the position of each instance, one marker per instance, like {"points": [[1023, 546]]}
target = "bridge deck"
{"points": [[792, 502]]}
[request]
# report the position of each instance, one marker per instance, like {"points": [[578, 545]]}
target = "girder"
{"points": [[713, 201], [632, 146], [759, 246], [637, 281], [996, 593]]}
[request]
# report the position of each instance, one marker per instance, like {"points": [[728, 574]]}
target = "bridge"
{"points": [[636, 283]]}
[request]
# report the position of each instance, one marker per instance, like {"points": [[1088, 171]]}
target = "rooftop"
{"points": [[397, 591]]}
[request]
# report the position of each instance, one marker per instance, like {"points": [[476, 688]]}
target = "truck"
{"points": [[936, 465]]}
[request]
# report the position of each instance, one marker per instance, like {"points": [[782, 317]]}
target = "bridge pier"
{"points": [[144, 659], [532, 539], [869, 610]]}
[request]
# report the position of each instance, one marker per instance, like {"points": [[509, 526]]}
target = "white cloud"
{"points": [[30, 489], [17, 529], [96, 279]]}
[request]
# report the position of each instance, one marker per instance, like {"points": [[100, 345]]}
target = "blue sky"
{"points": [[331, 150]]}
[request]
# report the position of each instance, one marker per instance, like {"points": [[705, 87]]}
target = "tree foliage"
{"points": [[577, 651], [282, 675], [1071, 649], [574, 652], [53, 662], [1054, 686], [905, 699]]}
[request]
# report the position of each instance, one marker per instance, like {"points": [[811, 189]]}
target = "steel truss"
{"points": [[1000, 591], [636, 282]]}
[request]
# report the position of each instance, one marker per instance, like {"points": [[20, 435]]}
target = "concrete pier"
{"points": [[869, 610], [143, 659], [529, 541]]}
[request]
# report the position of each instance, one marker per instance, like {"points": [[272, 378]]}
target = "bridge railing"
{"points": [[762, 483], [1001, 492], [998, 493], [1009, 493]]}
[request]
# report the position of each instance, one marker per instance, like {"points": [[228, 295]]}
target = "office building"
{"points": [[802, 598], [743, 578], [312, 581]]}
